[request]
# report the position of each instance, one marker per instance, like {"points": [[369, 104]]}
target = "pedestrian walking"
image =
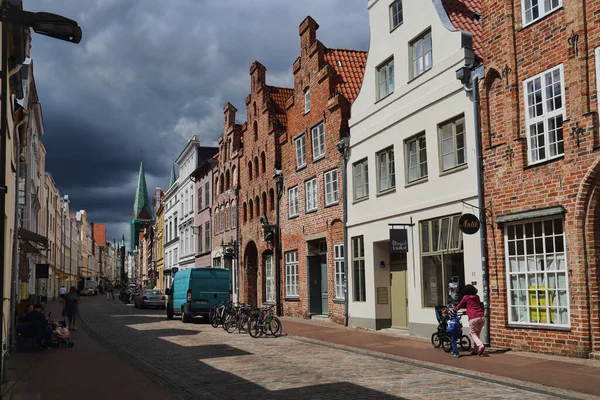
{"points": [[71, 308], [109, 291], [62, 292], [472, 303]]}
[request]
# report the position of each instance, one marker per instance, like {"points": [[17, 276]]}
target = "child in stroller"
{"points": [[60, 335], [449, 326]]}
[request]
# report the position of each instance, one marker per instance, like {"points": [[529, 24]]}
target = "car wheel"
{"points": [[184, 317]]}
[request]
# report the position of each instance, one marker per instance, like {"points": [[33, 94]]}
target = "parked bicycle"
{"points": [[238, 319], [219, 312], [264, 322]]}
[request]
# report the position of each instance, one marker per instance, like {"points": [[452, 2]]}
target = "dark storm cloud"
{"points": [[149, 74]]}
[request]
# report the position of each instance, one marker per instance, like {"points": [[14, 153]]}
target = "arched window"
{"points": [[251, 207], [264, 203], [222, 184], [227, 180], [222, 219], [255, 128], [271, 199], [234, 177], [227, 219], [234, 216], [263, 162], [255, 110], [249, 170], [225, 148], [256, 166], [257, 205], [245, 212], [216, 224], [216, 186]]}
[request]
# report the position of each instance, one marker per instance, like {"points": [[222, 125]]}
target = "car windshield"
{"points": [[152, 292]]}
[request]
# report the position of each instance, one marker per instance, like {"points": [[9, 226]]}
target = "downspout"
{"points": [[278, 183], [237, 247], [343, 148]]}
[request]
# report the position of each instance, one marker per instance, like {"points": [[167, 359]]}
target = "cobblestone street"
{"points": [[193, 361]]}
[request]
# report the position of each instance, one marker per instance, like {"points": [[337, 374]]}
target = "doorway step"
{"points": [[395, 332]]}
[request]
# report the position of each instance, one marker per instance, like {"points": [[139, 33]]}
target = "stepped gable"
{"points": [[350, 67], [280, 96], [462, 15]]}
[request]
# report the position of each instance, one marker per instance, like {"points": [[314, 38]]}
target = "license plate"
{"points": [[154, 298], [201, 301]]}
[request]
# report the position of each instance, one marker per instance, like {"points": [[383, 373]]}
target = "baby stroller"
{"points": [[441, 338], [61, 335]]}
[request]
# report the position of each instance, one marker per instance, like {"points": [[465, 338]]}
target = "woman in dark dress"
{"points": [[71, 307]]}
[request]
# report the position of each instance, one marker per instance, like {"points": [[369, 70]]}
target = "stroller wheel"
{"points": [[465, 343], [446, 345], [435, 340]]}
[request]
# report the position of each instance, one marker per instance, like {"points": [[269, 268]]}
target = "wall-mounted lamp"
{"points": [[382, 264]]}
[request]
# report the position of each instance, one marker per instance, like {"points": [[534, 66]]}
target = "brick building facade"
{"points": [[541, 165], [326, 81]]}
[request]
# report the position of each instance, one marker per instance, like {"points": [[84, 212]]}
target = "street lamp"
{"points": [[47, 24]]}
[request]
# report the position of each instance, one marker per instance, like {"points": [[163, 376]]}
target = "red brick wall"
{"points": [[512, 54]]}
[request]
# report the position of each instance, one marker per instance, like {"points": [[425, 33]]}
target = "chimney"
{"points": [[258, 74], [308, 33], [229, 110]]}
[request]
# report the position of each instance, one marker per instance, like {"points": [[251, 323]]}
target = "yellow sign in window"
{"points": [[537, 302]]}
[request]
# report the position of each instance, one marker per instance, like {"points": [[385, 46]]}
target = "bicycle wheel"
{"points": [[465, 343], [436, 341], [243, 324], [273, 327], [229, 318], [230, 325], [255, 328], [215, 320], [446, 345]]}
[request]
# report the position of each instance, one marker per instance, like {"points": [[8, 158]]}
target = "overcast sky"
{"points": [[149, 74]]}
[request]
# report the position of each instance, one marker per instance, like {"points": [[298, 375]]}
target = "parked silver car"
{"points": [[150, 298]]}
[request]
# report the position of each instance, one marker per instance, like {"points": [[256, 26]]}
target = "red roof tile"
{"points": [[100, 234], [461, 14], [280, 96], [350, 67]]}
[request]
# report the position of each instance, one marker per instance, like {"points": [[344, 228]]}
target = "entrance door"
{"points": [[399, 293], [324, 286], [315, 305]]}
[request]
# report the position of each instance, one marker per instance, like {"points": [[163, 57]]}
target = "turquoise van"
{"points": [[196, 290]]}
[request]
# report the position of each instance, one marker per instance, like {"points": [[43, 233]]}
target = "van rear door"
{"points": [[209, 286]]}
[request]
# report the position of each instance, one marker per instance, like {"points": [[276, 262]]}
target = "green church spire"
{"points": [[141, 206], [173, 176]]}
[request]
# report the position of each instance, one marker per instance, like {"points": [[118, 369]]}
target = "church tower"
{"points": [[142, 209]]}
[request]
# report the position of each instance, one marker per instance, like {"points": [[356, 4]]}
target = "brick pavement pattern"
{"points": [[196, 361]]}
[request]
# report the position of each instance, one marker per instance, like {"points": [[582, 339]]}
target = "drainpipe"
{"points": [[474, 74], [343, 148], [278, 189], [237, 246]]}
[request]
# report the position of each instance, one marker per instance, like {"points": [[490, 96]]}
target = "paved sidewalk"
{"points": [[558, 372], [87, 371]]}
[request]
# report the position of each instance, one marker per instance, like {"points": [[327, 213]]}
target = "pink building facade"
{"points": [[203, 177]]}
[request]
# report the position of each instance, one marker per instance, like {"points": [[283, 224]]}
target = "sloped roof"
{"points": [[141, 205], [99, 234], [350, 67], [280, 97], [462, 15]]}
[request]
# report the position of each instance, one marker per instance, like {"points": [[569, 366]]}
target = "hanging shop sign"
{"points": [[469, 224], [398, 241], [42, 271]]}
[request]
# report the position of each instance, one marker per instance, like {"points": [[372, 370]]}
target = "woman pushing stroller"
{"points": [[472, 303]]}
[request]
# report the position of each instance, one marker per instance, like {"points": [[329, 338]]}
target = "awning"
{"points": [[33, 237], [530, 214]]}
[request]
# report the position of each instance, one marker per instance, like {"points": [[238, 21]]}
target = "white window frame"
{"points": [[415, 160], [543, 120], [522, 262], [542, 10], [358, 264], [420, 61], [227, 219], [293, 209], [300, 143], [396, 11], [269, 279], [455, 143], [207, 194], [340, 271], [360, 179], [330, 182], [200, 205], [200, 239], [390, 166], [310, 188], [291, 274], [385, 78], [306, 100], [318, 141]]}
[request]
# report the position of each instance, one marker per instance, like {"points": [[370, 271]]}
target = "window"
{"points": [[340, 271], [442, 260], [385, 79], [200, 207], [358, 263], [216, 225], [318, 141], [421, 54], [331, 187], [207, 194], [176, 256], [537, 273], [416, 158], [234, 217], [300, 151], [222, 220], [545, 114], [207, 236], [293, 201], [536, 9], [385, 169], [186, 247], [291, 274], [452, 143], [306, 101], [395, 14], [360, 173], [200, 239], [227, 219], [311, 194], [269, 279]]}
